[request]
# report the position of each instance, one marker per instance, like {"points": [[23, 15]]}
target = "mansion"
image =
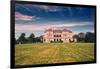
{"points": [[64, 35]]}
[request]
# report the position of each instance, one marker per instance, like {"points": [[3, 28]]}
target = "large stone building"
{"points": [[51, 35]]}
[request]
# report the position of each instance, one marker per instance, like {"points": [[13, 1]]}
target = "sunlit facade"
{"points": [[51, 35]]}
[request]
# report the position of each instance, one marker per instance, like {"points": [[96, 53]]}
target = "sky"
{"points": [[30, 18]]}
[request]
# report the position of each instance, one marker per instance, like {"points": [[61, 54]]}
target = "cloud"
{"points": [[48, 8], [72, 24], [92, 31], [19, 16], [43, 27]]}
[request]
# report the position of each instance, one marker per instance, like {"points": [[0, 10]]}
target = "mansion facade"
{"points": [[64, 35]]}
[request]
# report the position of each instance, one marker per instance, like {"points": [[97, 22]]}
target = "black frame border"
{"points": [[12, 34]]}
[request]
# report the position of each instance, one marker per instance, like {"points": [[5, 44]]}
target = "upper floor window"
{"points": [[57, 35]]}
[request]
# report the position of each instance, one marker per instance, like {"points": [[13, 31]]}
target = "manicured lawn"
{"points": [[45, 53]]}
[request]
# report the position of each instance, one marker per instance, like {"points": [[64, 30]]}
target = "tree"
{"points": [[81, 37], [38, 39], [41, 38], [31, 38], [22, 38], [90, 37], [75, 37]]}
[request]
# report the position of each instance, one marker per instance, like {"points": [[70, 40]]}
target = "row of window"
{"points": [[57, 39], [57, 35]]}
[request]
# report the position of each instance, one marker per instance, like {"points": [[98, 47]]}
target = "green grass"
{"points": [[45, 53]]}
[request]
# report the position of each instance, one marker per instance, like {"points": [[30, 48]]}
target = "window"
{"points": [[57, 35], [59, 39]]}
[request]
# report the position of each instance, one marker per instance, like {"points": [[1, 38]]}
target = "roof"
{"points": [[58, 31], [65, 30]]}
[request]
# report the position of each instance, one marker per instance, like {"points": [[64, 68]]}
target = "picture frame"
{"points": [[13, 33]]}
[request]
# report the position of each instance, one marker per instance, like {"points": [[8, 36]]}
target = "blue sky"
{"points": [[36, 19]]}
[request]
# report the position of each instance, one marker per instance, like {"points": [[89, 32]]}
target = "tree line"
{"points": [[85, 37], [31, 39], [81, 37]]}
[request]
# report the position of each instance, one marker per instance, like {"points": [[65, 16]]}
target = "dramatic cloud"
{"points": [[48, 8], [42, 27], [32, 18], [19, 16]]}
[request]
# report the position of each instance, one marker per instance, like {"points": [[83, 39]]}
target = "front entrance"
{"points": [[57, 41]]}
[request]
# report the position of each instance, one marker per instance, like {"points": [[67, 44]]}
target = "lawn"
{"points": [[45, 53]]}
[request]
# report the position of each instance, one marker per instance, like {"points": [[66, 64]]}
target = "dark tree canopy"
{"points": [[81, 37], [31, 38], [32, 35], [22, 38], [90, 37], [85, 37], [75, 36]]}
